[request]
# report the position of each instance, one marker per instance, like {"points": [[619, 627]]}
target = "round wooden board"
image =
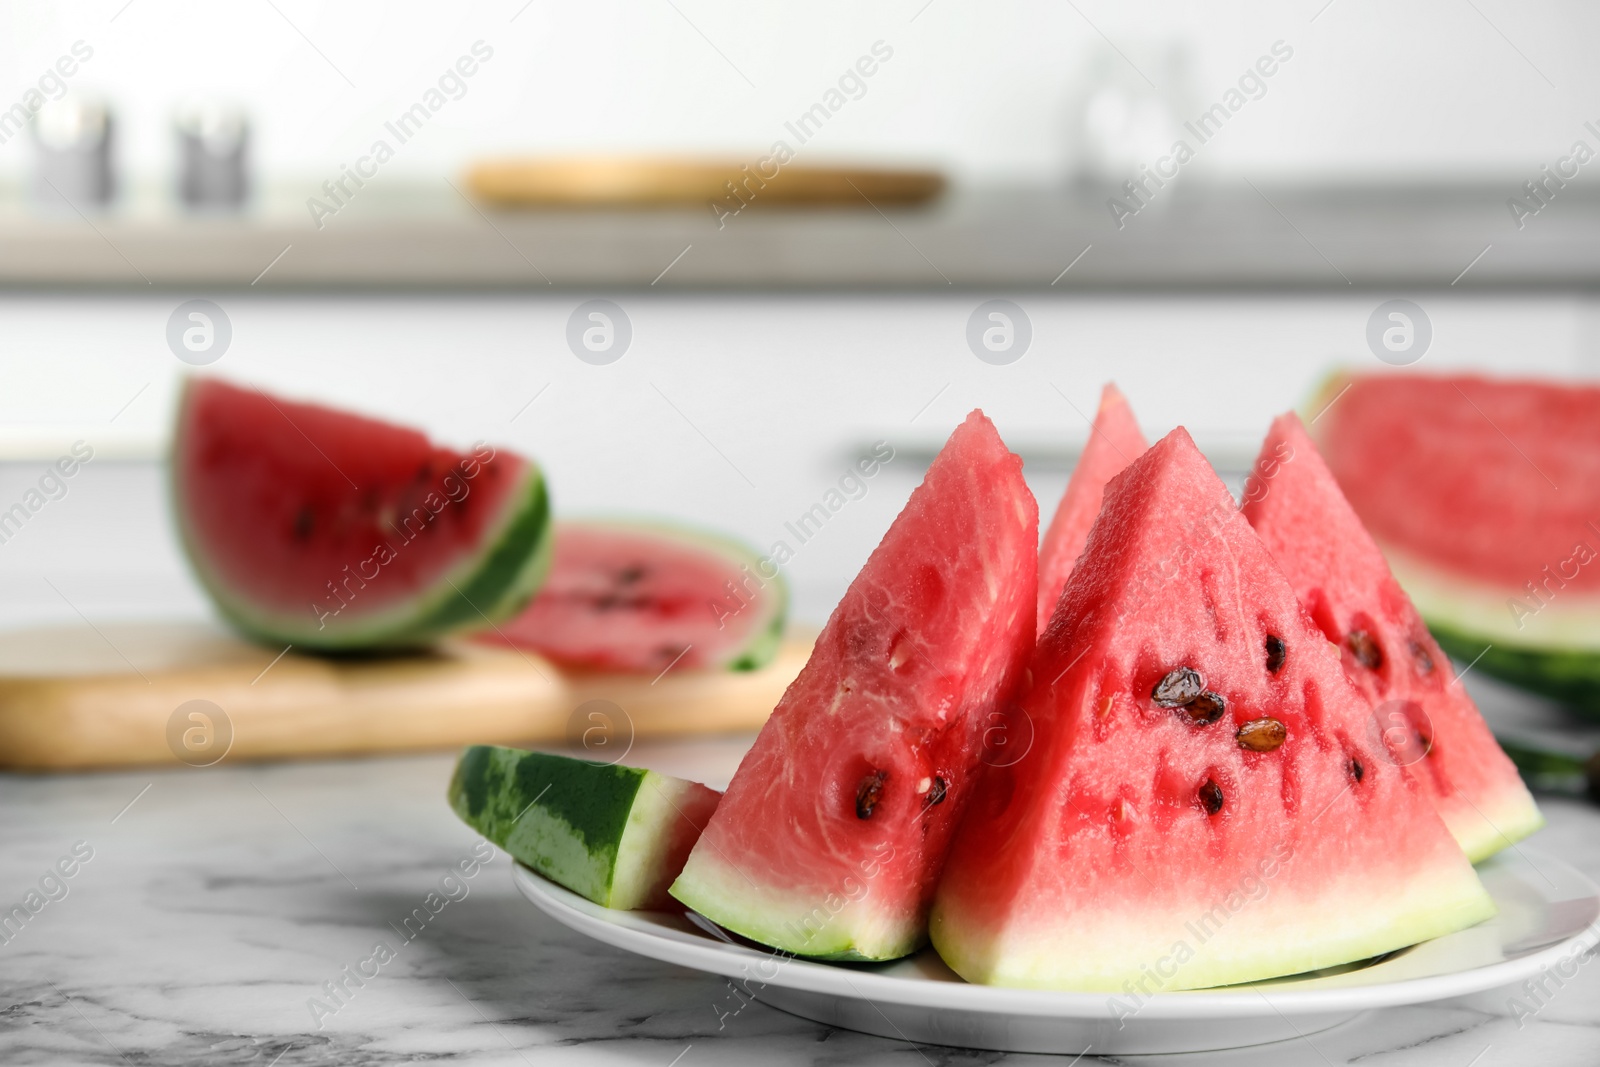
{"points": [[646, 182]]}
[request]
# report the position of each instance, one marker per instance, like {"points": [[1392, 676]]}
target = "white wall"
{"points": [[1425, 88], [781, 387]]}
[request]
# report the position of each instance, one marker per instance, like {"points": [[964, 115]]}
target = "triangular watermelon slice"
{"points": [[1114, 442], [1423, 713], [1203, 804], [831, 836]]}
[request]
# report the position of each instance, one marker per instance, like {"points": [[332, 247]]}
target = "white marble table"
{"points": [[218, 902]]}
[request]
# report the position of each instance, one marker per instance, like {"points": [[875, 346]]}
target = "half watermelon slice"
{"points": [[1203, 804], [331, 531], [1484, 495], [1421, 710], [645, 596], [1114, 442], [831, 836]]}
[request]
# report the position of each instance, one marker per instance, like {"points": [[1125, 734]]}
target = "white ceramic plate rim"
{"points": [[634, 932]]}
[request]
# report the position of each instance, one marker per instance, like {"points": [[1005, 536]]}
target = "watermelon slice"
{"points": [[1421, 710], [1203, 804], [330, 531], [616, 835], [634, 596], [1485, 497], [831, 836], [1114, 442]]}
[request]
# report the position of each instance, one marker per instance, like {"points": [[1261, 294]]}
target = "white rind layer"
{"points": [[1567, 620], [843, 924], [1128, 949]]}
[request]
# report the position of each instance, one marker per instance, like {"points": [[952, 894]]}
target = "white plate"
{"points": [[1547, 912]]}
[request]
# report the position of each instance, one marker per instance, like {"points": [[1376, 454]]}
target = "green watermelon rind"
{"points": [[490, 586], [510, 574], [765, 640], [759, 652], [595, 828], [1568, 676]]}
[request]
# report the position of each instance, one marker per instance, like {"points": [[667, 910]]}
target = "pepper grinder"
{"points": [[213, 142], [73, 136]]}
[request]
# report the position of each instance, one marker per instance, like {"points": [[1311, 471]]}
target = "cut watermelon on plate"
{"points": [[1202, 804], [1114, 442], [1422, 712], [1484, 494], [830, 838], [331, 531], [643, 596], [616, 835]]}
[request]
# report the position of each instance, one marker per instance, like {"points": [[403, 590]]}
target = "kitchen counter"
{"points": [[216, 903]]}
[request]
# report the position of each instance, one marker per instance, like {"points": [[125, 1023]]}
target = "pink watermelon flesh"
{"points": [[643, 597], [1114, 442], [331, 530], [1421, 711], [1484, 495], [1138, 847], [831, 836], [1463, 472]]}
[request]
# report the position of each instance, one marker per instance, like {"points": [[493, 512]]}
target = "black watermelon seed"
{"points": [[1205, 709], [629, 575], [1211, 797], [936, 794], [1277, 652], [1423, 657], [1357, 771], [1178, 688], [869, 792], [1365, 649], [302, 524]]}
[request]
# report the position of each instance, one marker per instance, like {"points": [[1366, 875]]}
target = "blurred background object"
{"points": [[728, 185], [1118, 118], [213, 141], [73, 135]]}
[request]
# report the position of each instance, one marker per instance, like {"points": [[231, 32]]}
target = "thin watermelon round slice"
{"points": [[1114, 442], [1485, 496], [1202, 804], [1420, 708], [831, 836], [616, 835], [331, 531], [644, 596]]}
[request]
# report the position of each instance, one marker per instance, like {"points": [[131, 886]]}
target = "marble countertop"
{"points": [[214, 905]]}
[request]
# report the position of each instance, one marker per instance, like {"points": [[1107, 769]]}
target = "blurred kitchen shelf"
{"points": [[1192, 237]]}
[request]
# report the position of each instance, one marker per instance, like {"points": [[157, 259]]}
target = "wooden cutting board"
{"points": [[76, 698], [650, 182]]}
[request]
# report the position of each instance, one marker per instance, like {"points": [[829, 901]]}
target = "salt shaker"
{"points": [[213, 146]]}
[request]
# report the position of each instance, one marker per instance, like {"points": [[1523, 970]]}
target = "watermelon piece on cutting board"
{"points": [[1484, 495], [831, 836], [1114, 442], [1202, 804], [1421, 710], [630, 595], [331, 531], [616, 835]]}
